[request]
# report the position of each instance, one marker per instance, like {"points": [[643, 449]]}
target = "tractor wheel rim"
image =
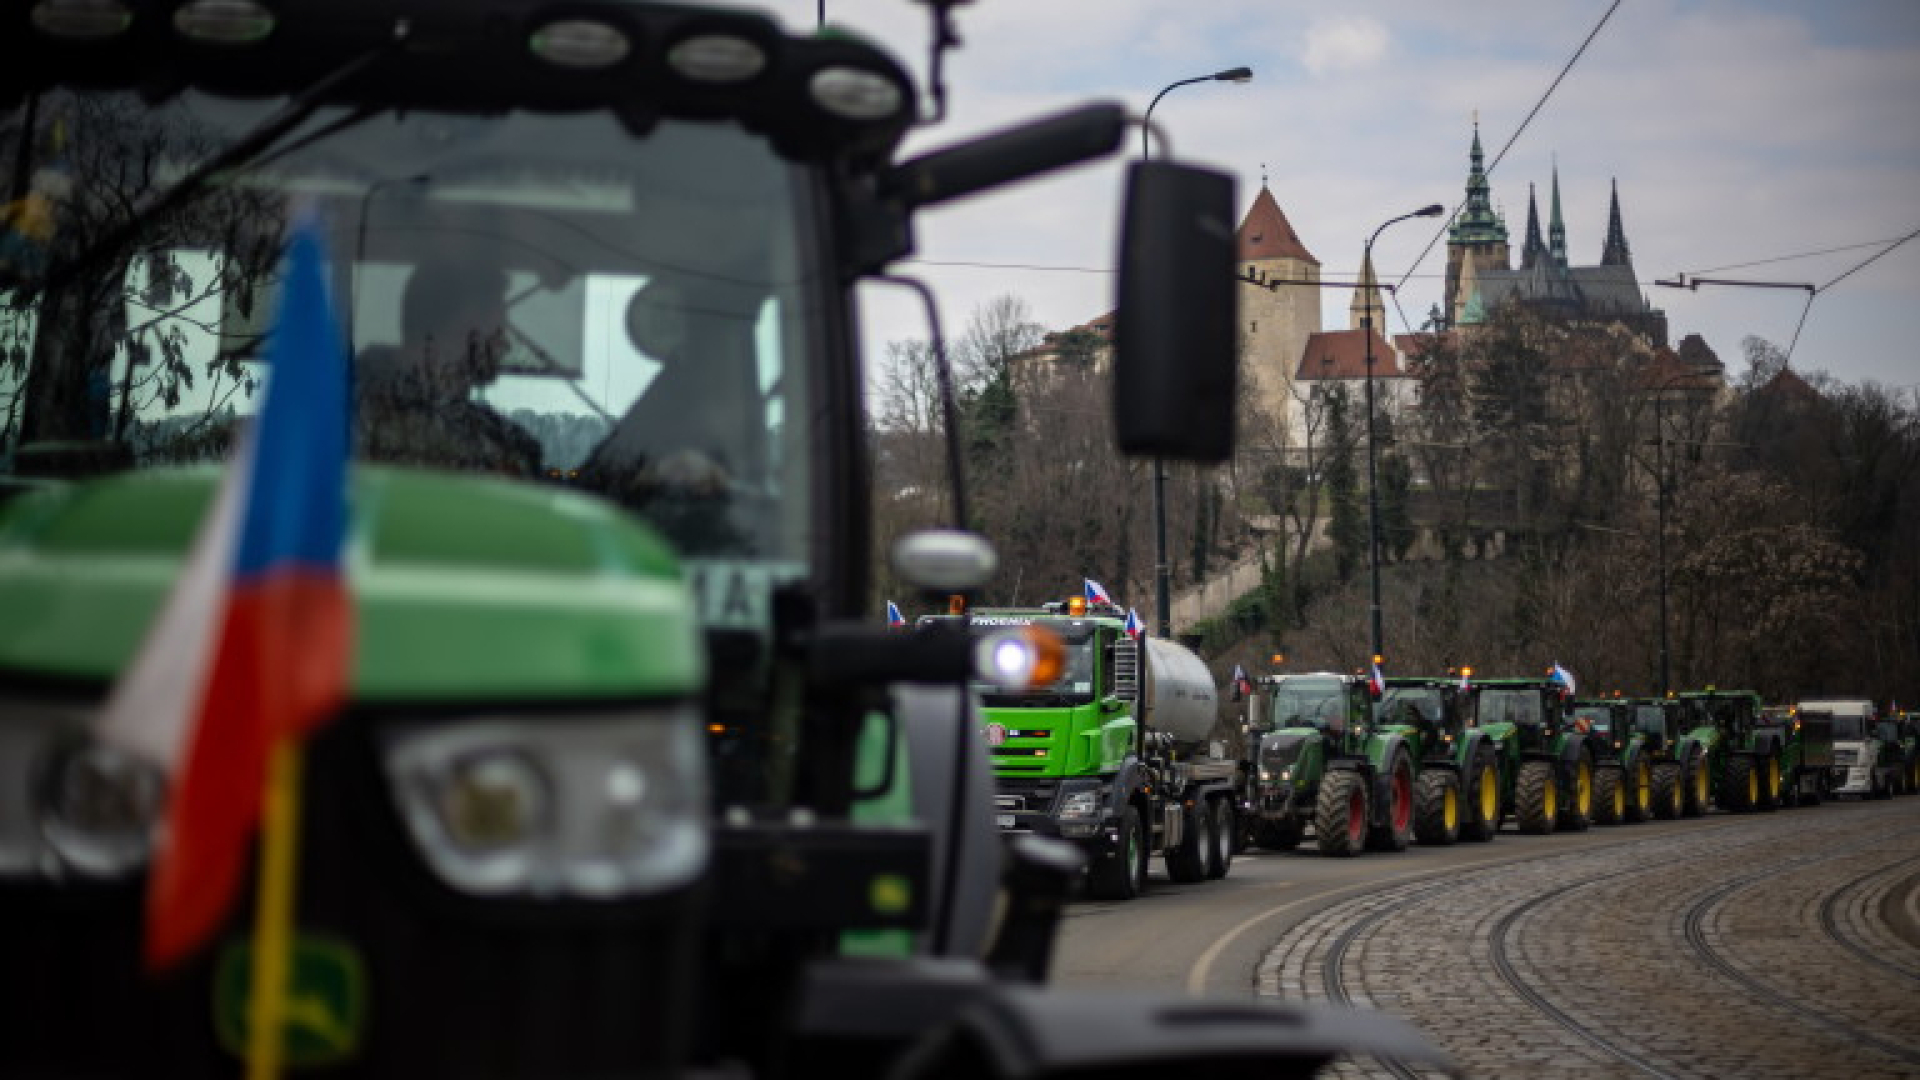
{"points": [[1356, 818], [1642, 787], [1450, 809], [1700, 785], [1552, 799], [1583, 790], [1402, 801], [1619, 803], [1773, 778], [1489, 794], [1753, 787]]}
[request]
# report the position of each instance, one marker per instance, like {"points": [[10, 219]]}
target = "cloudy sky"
{"points": [[1765, 141]]}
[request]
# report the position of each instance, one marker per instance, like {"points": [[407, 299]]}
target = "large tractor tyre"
{"points": [[1394, 831], [1340, 814], [1536, 798], [1771, 793], [1576, 803], [1121, 874], [1609, 795], [1482, 821], [1187, 861], [1283, 835], [1222, 827], [1741, 790], [1640, 791], [1697, 791], [1436, 807], [1668, 799]]}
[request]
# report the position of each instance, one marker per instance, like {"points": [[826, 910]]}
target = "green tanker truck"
{"points": [[626, 782], [1116, 754]]}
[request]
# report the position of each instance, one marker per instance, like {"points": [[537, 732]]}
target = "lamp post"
{"points": [[1162, 580], [1373, 477]]}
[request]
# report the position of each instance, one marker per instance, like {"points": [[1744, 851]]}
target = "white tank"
{"points": [[1179, 696]]}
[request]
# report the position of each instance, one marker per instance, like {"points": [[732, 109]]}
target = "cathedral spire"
{"points": [[1616, 253], [1535, 248], [1477, 224], [1557, 229]]}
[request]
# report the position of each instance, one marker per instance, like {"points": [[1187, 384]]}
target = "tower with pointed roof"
{"points": [[1366, 299], [1479, 233], [1280, 304]]}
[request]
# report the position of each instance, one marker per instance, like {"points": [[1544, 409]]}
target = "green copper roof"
{"points": [[1478, 224]]}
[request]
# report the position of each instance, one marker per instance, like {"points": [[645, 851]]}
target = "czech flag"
{"points": [[1376, 681], [1242, 686], [1133, 627], [1096, 593], [252, 648], [894, 618], [1562, 676]]}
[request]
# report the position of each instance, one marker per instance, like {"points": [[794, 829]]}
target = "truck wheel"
{"points": [[1667, 797], [1741, 791], [1187, 860], [1395, 830], [1220, 832], [1483, 799], [1640, 792], [1698, 787], [1609, 796], [1121, 874], [1536, 798], [1436, 813], [1279, 835], [1340, 814]]}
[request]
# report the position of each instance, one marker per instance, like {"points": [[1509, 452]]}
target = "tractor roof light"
{"points": [[82, 20], [716, 59], [580, 44], [224, 22], [854, 93]]}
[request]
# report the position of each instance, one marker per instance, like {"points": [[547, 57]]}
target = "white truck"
{"points": [[1866, 759]]}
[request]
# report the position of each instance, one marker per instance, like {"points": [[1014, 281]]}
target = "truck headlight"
{"points": [[599, 807], [1081, 804]]}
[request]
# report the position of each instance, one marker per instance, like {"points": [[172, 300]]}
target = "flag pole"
{"points": [[273, 911]]}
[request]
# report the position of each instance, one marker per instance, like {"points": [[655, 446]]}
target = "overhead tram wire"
{"points": [[1517, 132]]}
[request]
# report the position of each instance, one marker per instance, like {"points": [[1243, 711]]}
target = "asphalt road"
{"points": [[1783, 944]]}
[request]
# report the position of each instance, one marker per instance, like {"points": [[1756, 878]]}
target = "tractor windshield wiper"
{"points": [[252, 148]]}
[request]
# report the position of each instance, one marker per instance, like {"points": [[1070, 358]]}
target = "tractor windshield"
{"points": [[1412, 705], [1309, 702], [1510, 705], [538, 295], [1652, 719]]}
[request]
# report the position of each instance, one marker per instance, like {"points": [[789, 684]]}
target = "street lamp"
{"points": [[1373, 479], [1163, 584]]}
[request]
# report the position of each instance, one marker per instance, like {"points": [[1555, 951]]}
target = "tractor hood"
{"points": [[464, 588]]}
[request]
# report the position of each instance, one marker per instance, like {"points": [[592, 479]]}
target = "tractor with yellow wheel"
{"points": [[1622, 768], [1743, 757], [1457, 787], [1548, 770]]}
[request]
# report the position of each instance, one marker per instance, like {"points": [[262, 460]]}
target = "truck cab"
{"points": [[1866, 763]]}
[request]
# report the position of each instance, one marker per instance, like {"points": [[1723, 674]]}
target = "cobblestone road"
{"points": [[1771, 945]]}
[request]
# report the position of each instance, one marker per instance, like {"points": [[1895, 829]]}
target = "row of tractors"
{"points": [[1374, 763]]}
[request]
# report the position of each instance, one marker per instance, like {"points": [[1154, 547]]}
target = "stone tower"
{"points": [[1279, 302]]}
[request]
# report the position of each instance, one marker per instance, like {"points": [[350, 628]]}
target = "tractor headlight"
{"points": [[596, 807], [99, 808]]}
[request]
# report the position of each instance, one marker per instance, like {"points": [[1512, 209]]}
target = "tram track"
{"points": [[1508, 929]]}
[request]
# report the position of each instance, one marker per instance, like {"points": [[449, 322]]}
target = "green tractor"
{"points": [[1675, 760], [1622, 773], [1549, 782], [1743, 757], [1907, 727], [1806, 754], [1320, 761], [1457, 783]]}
